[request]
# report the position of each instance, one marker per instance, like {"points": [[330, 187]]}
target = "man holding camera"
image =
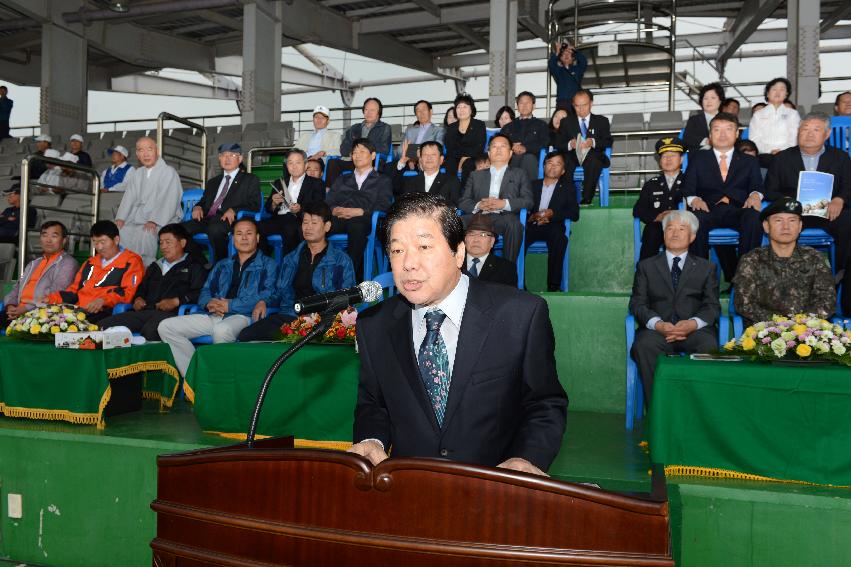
{"points": [[567, 66]]}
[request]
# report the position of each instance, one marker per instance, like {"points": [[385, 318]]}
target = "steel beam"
{"points": [[750, 16], [501, 53], [152, 84], [802, 59], [451, 15], [843, 11]]}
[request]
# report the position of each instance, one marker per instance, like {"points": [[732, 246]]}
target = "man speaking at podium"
{"points": [[454, 367]]}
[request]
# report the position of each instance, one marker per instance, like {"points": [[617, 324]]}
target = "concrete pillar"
{"points": [[64, 86], [802, 58], [502, 54], [261, 63]]}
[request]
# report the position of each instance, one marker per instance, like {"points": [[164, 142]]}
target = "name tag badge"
{"points": [[658, 192], [656, 204]]}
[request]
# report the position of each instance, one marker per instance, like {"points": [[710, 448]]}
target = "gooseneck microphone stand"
{"points": [[327, 319]]}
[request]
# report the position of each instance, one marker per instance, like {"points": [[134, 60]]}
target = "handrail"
{"points": [[25, 189], [715, 68], [264, 150], [163, 116]]}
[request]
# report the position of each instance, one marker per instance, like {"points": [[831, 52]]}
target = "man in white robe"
{"points": [[151, 200]]}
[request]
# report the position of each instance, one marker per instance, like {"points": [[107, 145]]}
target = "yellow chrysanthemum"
{"points": [[748, 343], [72, 328], [93, 327], [730, 345], [750, 332], [799, 329], [35, 329], [54, 329], [803, 350]]}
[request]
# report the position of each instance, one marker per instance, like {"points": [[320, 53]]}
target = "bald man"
{"points": [[151, 200]]}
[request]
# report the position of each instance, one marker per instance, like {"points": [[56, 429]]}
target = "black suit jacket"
{"points": [[653, 293], [458, 145], [696, 130], [312, 189], [243, 194], [782, 178], [375, 194], [444, 184], [703, 178], [656, 197], [563, 202], [505, 399], [598, 129], [532, 132], [496, 269]]}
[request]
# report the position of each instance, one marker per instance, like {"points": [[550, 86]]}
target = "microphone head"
{"points": [[370, 290]]}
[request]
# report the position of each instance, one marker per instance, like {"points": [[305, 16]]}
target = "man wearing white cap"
{"points": [[42, 144], [113, 177], [76, 144], [151, 200], [321, 142], [51, 175], [72, 180]]}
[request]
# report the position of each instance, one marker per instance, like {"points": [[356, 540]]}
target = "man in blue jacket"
{"points": [[313, 267], [567, 66], [232, 291]]}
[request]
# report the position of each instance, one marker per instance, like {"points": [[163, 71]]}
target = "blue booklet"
{"points": [[815, 190]]}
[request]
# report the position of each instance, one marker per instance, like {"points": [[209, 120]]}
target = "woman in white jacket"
{"points": [[775, 127]]}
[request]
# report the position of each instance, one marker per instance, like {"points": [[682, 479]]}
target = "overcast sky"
{"points": [[124, 106]]}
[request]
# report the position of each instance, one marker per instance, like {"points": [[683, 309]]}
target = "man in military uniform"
{"points": [[660, 195], [783, 278]]}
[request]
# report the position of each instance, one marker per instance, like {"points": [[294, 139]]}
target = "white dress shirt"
{"points": [[651, 324], [774, 128], [493, 192], [232, 174], [361, 177], [293, 191], [453, 307], [429, 179], [547, 195], [482, 260], [315, 143]]}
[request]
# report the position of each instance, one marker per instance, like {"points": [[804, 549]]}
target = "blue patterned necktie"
{"points": [[584, 127], [434, 363], [675, 281], [474, 269]]}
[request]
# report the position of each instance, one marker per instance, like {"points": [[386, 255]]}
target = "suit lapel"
{"points": [[504, 184], [662, 266], [688, 268], [401, 337], [474, 331]]}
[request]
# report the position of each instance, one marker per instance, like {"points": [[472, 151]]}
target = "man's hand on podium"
{"points": [[521, 465], [372, 450]]}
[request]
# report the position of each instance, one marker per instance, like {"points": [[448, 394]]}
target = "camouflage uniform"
{"points": [[767, 285]]}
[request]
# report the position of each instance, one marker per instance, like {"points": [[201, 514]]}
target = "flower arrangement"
{"points": [[796, 337], [342, 330], [41, 323]]}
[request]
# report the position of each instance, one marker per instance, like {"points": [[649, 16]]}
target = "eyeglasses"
{"points": [[480, 234]]}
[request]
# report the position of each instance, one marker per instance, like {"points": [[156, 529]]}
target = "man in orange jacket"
{"points": [[108, 278]]}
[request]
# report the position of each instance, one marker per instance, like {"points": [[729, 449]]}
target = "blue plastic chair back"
{"points": [[189, 199], [840, 136]]}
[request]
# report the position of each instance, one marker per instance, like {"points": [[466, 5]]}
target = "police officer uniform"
{"points": [[658, 196]]}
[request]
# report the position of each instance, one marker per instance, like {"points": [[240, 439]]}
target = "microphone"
{"points": [[364, 292]]}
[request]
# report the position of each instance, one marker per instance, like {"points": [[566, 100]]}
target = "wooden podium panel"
{"points": [[276, 506]]}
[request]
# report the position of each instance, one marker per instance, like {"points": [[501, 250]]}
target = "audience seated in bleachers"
{"points": [[315, 168], [372, 128], [674, 300], [354, 197], [112, 178], [696, 134], [315, 266], [783, 278], [428, 178], [596, 138], [500, 191], [321, 141], [554, 201], [76, 144], [731, 106], [226, 194], [842, 106], [423, 129], [449, 118], [503, 117], [528, 134], [285, 203], [480, 261], [775, 127], [50, 176], [233, 289], [464, 139], [151, 200], [73, 181], [42, 144], [6, 105], [106, 279], [50, 272], [10, 217], [173, 280], [660, 195], [554, 124]]}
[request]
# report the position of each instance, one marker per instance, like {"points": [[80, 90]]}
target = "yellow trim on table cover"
{"points": [[707, 472], [97, 418], [299, 443]]}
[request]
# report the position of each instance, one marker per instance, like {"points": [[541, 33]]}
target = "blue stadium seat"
{"points": [[602, 184], [489, 133], [374, 257], [122, 308], [840, 136], [540, 247]]}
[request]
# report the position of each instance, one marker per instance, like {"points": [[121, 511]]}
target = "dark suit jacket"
{"points": [[380, 135], [243, 194], [696, 130], [515, 187], [782, 178], [703, 178], [444, 184], [375, 194], [532, 132], [505, 399], [696, 295], [655, 197], [598, 129], [496, 269], [312, 189], [563, 202], [469, 144]]}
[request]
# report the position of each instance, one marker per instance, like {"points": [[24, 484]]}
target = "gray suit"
{"points": [[653, 295], [516, 189]]}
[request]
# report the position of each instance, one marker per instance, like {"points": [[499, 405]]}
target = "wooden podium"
{"points": [[274, 505]]}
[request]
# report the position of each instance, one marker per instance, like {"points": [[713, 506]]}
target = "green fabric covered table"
{"points": [[312, 397], [780, 422], [40, 381]]}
